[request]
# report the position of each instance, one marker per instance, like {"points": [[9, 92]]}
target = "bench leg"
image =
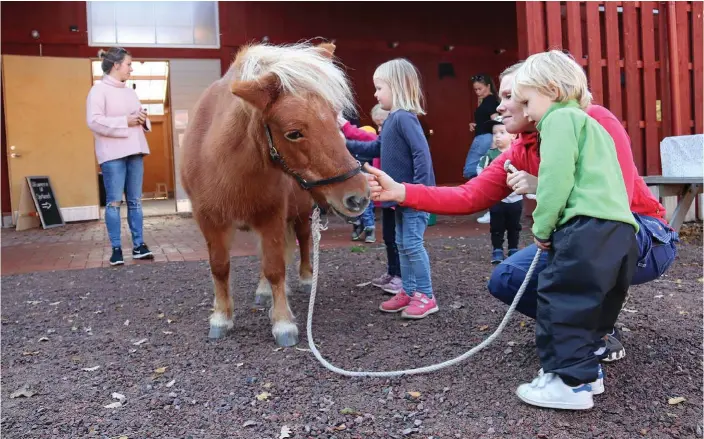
{"points": [[683, 206]]}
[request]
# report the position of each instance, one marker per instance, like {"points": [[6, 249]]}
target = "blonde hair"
{"points": [[377, 110], [555, 75], [404, 81], [510, 70], [301, 68]]}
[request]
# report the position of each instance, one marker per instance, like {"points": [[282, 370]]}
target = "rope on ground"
{"points": [[316, 226]]}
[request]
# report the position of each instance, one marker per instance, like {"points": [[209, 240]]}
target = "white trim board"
{"points": [[79, 213]]}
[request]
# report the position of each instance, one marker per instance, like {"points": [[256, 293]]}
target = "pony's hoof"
{"points": [[262, 301], [286, 340], [307, 288], [217, 332], [285, 334]]}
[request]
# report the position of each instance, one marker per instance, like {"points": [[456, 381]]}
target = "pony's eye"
{"points": [[294, 135]]}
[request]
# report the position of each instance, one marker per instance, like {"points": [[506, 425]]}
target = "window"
{"points": [[154, 24]]}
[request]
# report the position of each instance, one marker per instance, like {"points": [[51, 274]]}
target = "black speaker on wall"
{"points": [[446, 70]]}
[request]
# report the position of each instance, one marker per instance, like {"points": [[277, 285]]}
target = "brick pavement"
{"points": [[171, 238]]}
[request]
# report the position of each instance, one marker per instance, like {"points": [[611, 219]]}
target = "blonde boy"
{"points": [[584, 221]]}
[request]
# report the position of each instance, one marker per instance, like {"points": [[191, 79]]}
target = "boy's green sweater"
{"points": [[579, 172]]}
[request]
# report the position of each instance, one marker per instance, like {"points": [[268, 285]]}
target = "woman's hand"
{"points": [[522, 182], [134, 120], [472, 127], [383, 187]]}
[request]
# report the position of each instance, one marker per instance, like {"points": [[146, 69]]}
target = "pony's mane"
{"points": [[301, 68]]}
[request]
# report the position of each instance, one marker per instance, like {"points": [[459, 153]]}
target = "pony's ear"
{"points": [[326, 49], [259, 92]]}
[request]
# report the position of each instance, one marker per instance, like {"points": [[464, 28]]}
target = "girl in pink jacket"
{"points": [[118, 123]]}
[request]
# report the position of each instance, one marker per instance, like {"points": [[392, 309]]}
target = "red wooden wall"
{"points": [[483, 36], [645, 66]]}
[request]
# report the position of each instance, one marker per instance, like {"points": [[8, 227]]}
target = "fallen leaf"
{"points": [[632, 311], [511, 343], [348, 411], [142, 341], [91, 369], [167, 332], [160, 370], [701, 280], [98, 311], [285, 432], [278, 349], [340, 427], [127, 323], [484, 327], [415, 395], [456, 305], [25, 354], [55, 303], [624, 329], [160, 316], [34, 302], [522, 324], [119, 396], [678, 281], [267, 386], [675, 401], [23, 391], [44, 339], [239, 364], [113, 405], [363, 284], [447, 247], [683, 313], [123, 437], [249, 423], [170, 321], [303, 349], [170, 383], [263, 396], [659, 296]]}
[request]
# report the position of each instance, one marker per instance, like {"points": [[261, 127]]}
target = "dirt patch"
{"points": [[58, 326]]}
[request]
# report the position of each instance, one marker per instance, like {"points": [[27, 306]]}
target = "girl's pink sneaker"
{"points": [[397, 303], [420, 307]]}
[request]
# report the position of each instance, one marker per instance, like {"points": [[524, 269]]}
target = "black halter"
{"points": [[305, 184]]}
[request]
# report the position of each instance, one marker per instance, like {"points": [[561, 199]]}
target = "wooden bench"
{"points": [[686, 188]]}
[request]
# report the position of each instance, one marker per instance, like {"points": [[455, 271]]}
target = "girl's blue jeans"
{"points": [[415, 263]]}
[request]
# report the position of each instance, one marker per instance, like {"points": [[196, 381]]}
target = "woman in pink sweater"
{"points": [[118, 123]]}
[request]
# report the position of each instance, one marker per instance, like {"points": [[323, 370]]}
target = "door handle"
{"points": [[14, 155]]}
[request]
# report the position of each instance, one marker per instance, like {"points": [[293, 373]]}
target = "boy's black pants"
{"points": [[505, 218], [388, 222], [580, 294]]}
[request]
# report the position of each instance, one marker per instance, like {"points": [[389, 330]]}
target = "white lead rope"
{"points": [[316, 227]]}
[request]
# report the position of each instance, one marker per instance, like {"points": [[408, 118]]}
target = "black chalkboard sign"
{"points": [[45, 202]]}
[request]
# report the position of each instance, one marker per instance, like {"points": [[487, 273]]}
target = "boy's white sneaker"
{"points": [[548, 390], [484, 219], [597, 385]]}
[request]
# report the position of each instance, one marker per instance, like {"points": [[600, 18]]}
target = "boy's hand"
{"points": [[545, 246]]}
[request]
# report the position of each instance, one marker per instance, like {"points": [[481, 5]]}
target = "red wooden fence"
{"points": [[644, 62]]}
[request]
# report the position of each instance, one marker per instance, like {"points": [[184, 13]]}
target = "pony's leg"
{"points": [[219, 239], [305, 270], [274, 267]]}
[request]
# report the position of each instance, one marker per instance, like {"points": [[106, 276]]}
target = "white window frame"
{"points": [[163, 46]]}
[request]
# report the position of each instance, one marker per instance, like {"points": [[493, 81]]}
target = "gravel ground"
{"points": [[72, 339]]}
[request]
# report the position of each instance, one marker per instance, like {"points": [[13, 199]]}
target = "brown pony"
{"points": [[262, 143]]}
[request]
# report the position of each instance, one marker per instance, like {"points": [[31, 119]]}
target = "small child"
{"points": [[505, 217], [584, 221], [366, 223], [405, 156]]}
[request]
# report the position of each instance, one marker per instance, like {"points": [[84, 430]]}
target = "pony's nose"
{"points": [[355, 203]]}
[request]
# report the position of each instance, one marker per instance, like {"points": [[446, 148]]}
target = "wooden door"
{"points": [[47, 132]]}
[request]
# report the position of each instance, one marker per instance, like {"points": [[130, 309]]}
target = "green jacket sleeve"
{"points": [[559, 150]]}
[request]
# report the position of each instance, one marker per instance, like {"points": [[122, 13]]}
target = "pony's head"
{"points": [[299, 91]]}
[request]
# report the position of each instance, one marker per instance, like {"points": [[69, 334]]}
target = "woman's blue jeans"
{"points": [[120, 176], [656, 246], [480, 145]]}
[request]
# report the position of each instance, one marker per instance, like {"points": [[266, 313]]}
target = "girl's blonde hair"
{"points": [[553, 74], [404, 81]]}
